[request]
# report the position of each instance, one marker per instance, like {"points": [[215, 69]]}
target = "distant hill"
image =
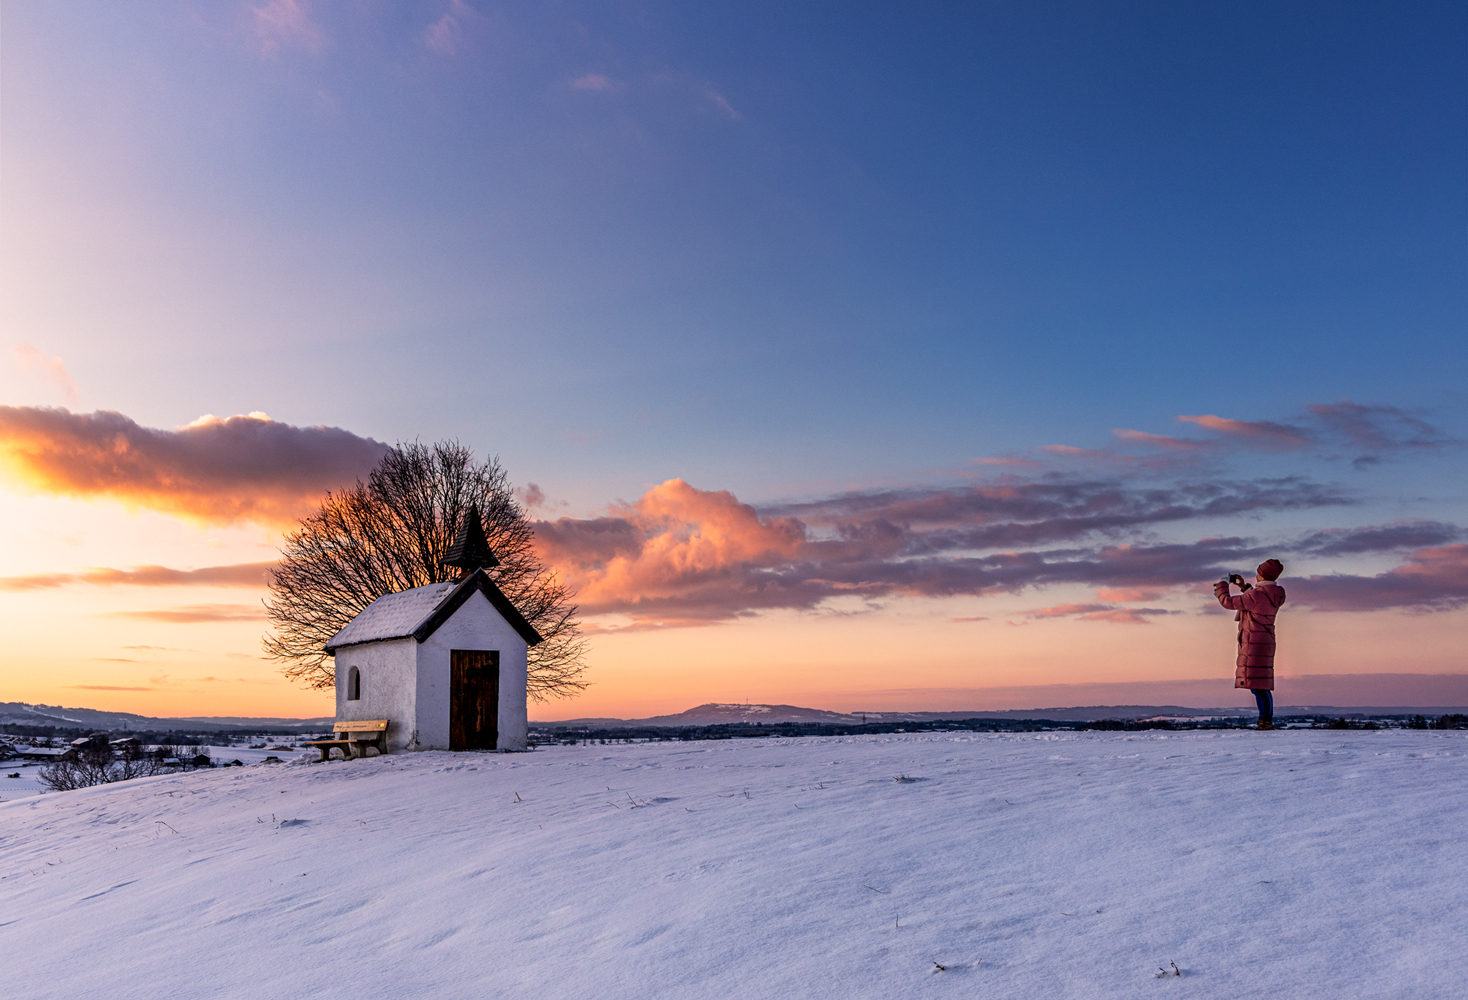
{"points": [[718, 714], [17, 713]]}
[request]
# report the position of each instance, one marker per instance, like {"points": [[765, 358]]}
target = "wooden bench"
{"points": [[355, 736]]}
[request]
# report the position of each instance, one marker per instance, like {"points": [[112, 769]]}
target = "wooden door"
{"points": [[474, 699]]}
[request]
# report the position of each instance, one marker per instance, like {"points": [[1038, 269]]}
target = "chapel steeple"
{"points": [[471, 550]]}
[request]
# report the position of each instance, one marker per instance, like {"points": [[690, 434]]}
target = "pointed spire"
{"points": [[471, 550]]}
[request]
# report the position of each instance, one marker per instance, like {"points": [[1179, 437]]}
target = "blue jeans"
{"points": [[1266, 704]]}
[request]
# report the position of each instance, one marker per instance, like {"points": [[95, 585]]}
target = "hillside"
{"points": [[1299, 864], [18, 713]]}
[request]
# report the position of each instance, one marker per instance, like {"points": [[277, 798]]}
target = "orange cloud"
{"points": [[215, 469], [236, 575], [103, 687], [1099, 613], [191, 613], [676, 543], [1126, 595]]}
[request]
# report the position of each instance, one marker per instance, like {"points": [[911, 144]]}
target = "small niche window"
{"points": [[354, 684]]}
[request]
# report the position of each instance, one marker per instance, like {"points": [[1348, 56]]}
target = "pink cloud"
{"points": [[1102, 455], [531, 495], [1099, 613], [1125, 616], [236, 575], [722, 103], [1158, 440], [592, 81], [1067, 610], [1022, 463], [1266, 433], [32, 359], [446, 35], [1129, 595], [284, 24], [1433, 578]]}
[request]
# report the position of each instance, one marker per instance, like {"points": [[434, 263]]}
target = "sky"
{"points": [[852, 356]]}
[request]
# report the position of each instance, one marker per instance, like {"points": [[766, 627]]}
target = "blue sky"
{"points": [[785, 252]]}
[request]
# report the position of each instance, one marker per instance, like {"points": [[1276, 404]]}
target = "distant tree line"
{"points": [[97, 763], [46, 735], [758, 730]]}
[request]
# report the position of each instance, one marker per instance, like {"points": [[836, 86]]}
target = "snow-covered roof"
{"points": [[420, 611], [392, 616]]}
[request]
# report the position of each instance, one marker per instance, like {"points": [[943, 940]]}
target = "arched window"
{"points": [[354, 684]]}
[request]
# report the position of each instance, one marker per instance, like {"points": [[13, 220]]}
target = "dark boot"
{"points": [[1265, 724]]}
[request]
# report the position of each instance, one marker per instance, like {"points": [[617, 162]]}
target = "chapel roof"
{"points": [[419, 612]]}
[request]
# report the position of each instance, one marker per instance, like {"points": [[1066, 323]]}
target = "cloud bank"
{"points": [[1365, 434], [682, 556], [215, 469], [1432, 579]]}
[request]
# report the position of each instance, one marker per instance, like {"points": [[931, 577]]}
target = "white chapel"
{"points": [[445, 664]]}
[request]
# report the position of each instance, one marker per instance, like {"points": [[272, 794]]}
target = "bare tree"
{"points": [[390, 534]]}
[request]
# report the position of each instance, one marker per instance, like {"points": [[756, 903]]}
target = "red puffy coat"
{"points": [[1256, 609]]}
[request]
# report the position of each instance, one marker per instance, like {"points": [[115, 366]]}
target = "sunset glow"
{"points": [[947, 369]]}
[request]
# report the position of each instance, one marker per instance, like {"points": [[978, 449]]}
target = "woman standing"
{"points": [[1256, 607]]}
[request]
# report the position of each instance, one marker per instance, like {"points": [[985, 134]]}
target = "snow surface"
{"points": [[29, 782], [1287, 864]]}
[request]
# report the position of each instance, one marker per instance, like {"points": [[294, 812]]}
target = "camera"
{"points": [[1235, 579]]}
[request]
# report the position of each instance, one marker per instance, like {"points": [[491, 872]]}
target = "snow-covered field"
{"points": [[28, 772], [1287, 864]]}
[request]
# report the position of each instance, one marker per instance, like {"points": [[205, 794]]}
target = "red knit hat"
{"points": [[1270, 569]]}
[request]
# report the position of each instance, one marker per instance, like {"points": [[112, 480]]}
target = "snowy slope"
{"points": [[1287, 864], [28, 773]]}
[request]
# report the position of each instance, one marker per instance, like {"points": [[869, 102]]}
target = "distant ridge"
{"points": [[16, 713], [19, 713], [718, 714]]}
